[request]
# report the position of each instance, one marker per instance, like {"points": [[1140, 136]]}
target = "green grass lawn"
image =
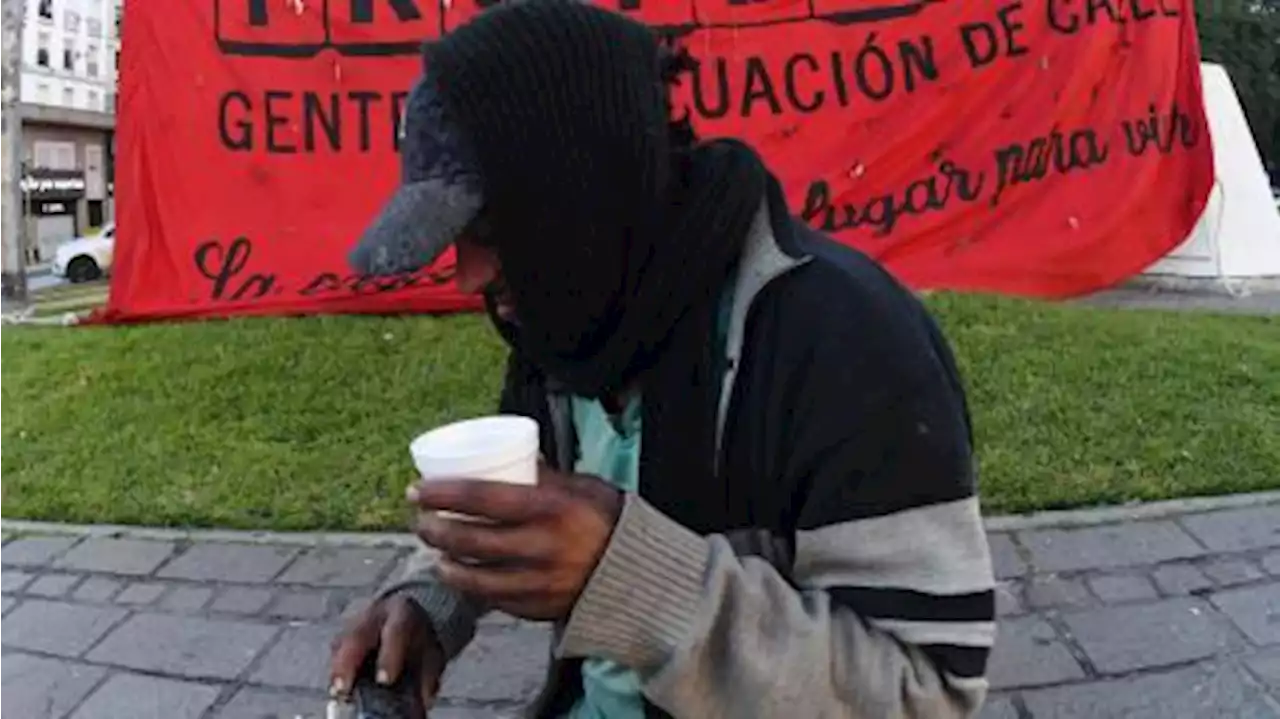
{"points": [[304, 423]]}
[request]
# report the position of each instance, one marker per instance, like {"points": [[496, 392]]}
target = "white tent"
{"points": [[1237, 240]]}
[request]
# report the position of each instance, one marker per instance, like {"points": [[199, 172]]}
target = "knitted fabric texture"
{"points": [[603, 243]]}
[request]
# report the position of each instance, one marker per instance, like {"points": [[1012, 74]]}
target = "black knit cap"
{"points": [[534, 78], [565, 109]]}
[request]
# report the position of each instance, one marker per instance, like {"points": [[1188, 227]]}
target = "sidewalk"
{"points": [[1254, 303], [1175, 617]]}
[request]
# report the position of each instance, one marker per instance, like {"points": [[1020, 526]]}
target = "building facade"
{"points": [[68, 105]]}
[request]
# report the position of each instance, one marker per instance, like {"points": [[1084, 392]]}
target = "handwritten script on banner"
{"points": [[1034, 147]]}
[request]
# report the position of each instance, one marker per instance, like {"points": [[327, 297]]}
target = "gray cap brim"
{"points": [[415, 227]]}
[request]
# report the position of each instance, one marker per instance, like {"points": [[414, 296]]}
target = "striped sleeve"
{"points": [[922, 575], [891, 529], [886, 609], [714, 633]]}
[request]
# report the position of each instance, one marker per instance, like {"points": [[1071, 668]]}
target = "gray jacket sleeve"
{"points": [[453, 615], [713, 634]]}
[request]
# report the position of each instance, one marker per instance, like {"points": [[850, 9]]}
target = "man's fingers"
{"points": [[351, 648], [396, 638], [482, 541], [509, 503], [491, 583], [429, 680]]}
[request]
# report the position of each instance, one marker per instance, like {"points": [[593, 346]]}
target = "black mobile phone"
{"points": [[375, 701]]}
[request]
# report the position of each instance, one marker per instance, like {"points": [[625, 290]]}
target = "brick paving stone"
{"points": [[1106, 547], [1028, 652], [254, 703], [1008, 599], [188, 646], [116, 556], [998, 708], [1180, 579], [1007, 562], [1271, 563], [301, 605], [35, 687], [357, 605], [1237, 530], [53, 585], [420, 556], [141, 593], [143, 697], [1266, 666], [1254, 610], [339, 567], [57, 627], [1208, 691], [1231, 572], [242, 600], [300, 659], [1056, 592], [96, 589], [504, 665], [186, 599], [34, 551], [1117, 588], [1144, 636], [12, 581], [237, 563]]}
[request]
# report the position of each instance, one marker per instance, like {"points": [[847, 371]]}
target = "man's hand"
{"points": [[541, 546], [399, 635]]}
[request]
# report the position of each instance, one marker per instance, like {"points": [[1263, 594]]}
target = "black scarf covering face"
{"points": [[616, 247]]}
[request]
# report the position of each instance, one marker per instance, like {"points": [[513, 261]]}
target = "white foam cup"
{"points": [[502, 448]]}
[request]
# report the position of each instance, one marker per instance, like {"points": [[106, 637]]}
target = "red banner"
{"points": [[1035, 147]]}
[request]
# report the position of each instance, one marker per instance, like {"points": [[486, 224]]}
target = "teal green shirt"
{"points": [[609, 448]]}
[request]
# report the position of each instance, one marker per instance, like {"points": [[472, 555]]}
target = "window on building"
{"points": [[92, 99], [69, 54], [45, 9], [66, 156], [46, 154], [93, 26], [55, 155], [71, 21], [91, 60], [68, 97], [111, 102], [42, 93], [42, 49]]}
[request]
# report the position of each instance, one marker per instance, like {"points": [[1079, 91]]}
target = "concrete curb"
{"points": [[1235, 287], [1128, 513], [1040, 520], [167, 534]]}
